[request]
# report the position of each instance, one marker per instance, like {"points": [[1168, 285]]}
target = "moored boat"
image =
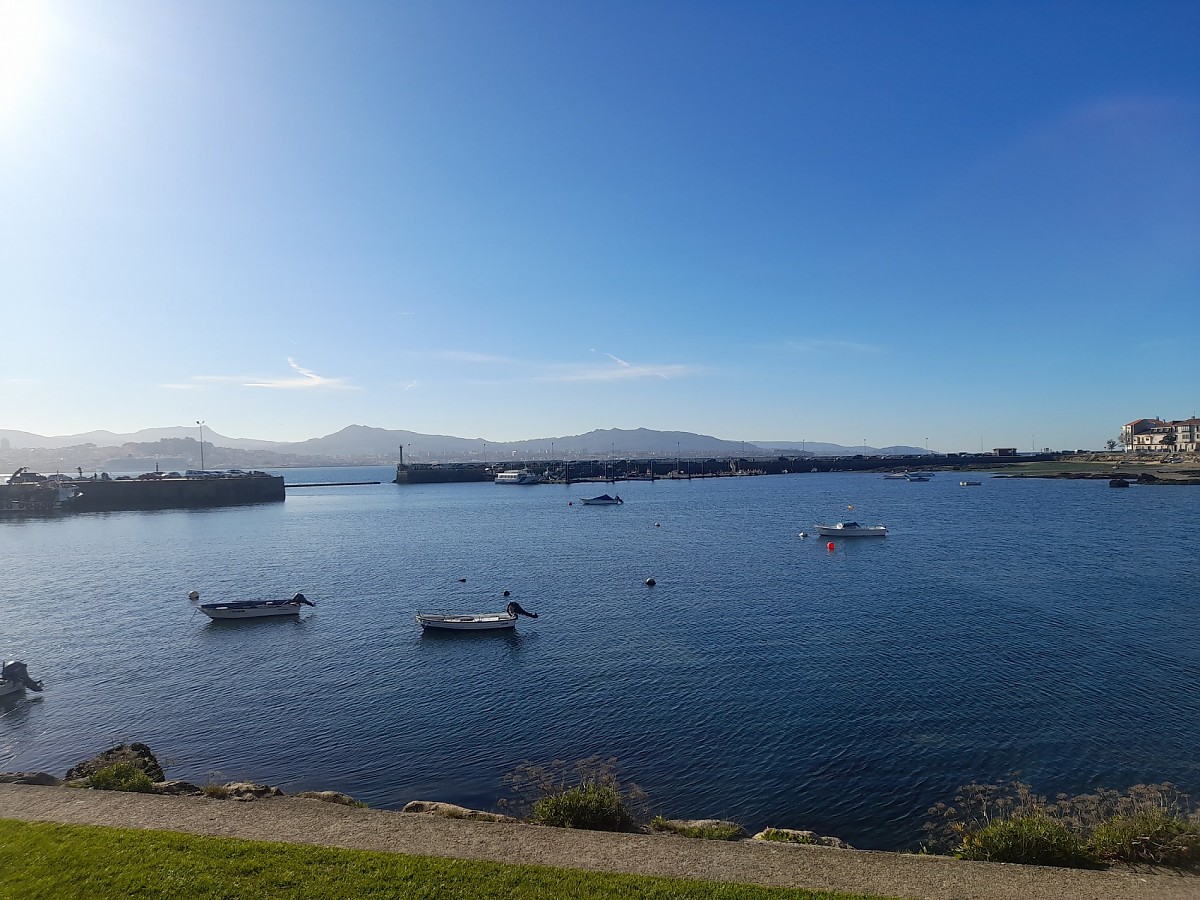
{"points": [[969, 483], [518, 476], [602, 500], [14, 679], [851, 529], [490, 621], [253, 609]]}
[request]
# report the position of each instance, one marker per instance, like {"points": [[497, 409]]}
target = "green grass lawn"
{"points": [[40, 861]]}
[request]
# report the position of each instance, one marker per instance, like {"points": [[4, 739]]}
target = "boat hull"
{"points": [[234, 611], [861, 531], [468, 622]]}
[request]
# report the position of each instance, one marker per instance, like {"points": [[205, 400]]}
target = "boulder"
{"points": [[450, 811], [329, 797], [30, 778], [683, 826], [137, 755], [795, 836], [177, 788], [248, 790]]}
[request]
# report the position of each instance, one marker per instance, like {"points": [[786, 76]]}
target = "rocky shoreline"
{"points": [[140, 758]]}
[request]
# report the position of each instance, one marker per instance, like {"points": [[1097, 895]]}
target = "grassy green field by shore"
{"points": [[40, 861]]}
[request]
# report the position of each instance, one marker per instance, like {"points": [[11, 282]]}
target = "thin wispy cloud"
{"points": [[410, 386], [304, 379], [821, 347]]}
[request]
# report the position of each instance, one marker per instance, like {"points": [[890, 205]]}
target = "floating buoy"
{"points": [[851, 506], [803, 534], [193, 596], [656, 525], [570, 503], [650, 582], [506, 593], [461, 580], [830, 545]]}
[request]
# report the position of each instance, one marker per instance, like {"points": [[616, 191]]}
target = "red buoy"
{"points": [[829, 546]]}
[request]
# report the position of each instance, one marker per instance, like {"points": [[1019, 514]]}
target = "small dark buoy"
{"points": [[650, 582], [462, 580], [570, 503], [193, 596], [506, 593], [656, 525]]}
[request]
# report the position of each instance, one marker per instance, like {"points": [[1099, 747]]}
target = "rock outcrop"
{"points": [[794, 836], [30, 778], [450, 811], [329, 797], [137, 755]]}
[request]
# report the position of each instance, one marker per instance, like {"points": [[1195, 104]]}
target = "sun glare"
{"points": [[26, 29]]}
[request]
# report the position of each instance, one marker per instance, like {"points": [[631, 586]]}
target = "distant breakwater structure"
{"points": [[569, 471], [59, 496]]}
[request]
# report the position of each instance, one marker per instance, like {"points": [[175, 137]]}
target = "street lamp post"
{"points": [[201, 424]]}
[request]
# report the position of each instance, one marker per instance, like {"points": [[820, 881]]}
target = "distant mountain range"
{"points": [[366, 445]]}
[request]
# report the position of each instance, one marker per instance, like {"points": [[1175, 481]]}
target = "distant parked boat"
{"points": [[474, 621], [852, 529], [518, 476], [602, 500], [969, 483], [254, 609]]}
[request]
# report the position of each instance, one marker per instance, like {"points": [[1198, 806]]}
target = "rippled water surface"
{"points": [[1051, 627]]}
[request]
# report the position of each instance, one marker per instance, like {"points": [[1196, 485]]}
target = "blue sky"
{"points": [[962, 223]]}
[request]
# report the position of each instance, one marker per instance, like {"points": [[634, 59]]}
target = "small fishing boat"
{"points": [[253, 609], [474, 621], [969, 483], [602, 500], [14, 679], [851, 529]]}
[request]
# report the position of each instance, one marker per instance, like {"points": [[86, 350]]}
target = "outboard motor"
{"points": [[16, 671], [300, 598], [514, 609]]}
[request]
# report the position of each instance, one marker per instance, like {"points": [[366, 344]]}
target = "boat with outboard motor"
{"points": [[252, 609], [851, 529], [602, 500], [14, 679], [474, 621]]}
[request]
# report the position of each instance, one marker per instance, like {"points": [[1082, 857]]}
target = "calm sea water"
{"points": [[1050, 627]]}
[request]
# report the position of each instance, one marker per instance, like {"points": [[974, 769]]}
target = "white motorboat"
{"points": [[851, 529], [602, 500], [518, 476], [474, 621], [14, 679], [253, 609]]}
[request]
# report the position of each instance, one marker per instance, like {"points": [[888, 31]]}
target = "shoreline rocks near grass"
{"points": [[138, 759]]}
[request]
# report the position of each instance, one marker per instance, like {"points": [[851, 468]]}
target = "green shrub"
{"points": [[1149, 837], [591, 806], [1035, 840], [121, 777]]}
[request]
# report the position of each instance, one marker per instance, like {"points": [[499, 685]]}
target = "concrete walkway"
{"points": [[297, 821]]}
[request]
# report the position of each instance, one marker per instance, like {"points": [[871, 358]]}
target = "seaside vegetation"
{"points": [[45, 861], [586, 794], [785, 837], [1007, 822], [121, 777]]}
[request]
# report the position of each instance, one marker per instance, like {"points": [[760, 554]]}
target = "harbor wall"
{"points": [[170, 493]]}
